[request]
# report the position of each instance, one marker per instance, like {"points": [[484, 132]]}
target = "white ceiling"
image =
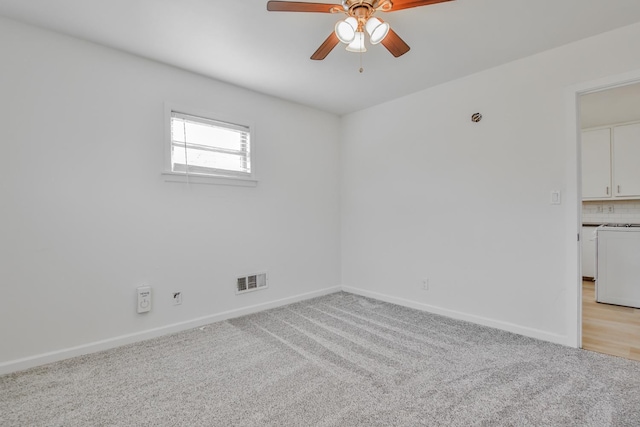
{"points": [[239, 42]]}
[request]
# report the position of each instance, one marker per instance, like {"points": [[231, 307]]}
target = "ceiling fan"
{"points": [[359, 19]]}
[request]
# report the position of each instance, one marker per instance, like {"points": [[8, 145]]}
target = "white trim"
{"points": [[209, 179], [484, 321], [573, 219], [573, 204], [109, 343], [55, 356]]}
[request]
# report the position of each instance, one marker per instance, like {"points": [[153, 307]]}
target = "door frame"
{"points": [[573, 209]]}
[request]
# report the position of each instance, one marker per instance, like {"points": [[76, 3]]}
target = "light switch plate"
{"points": [[556, 197]]}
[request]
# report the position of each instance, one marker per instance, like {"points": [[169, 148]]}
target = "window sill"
{"points": [[208, 179]]}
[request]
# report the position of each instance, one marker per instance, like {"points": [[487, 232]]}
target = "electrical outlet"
{"points": [[608, 208], [425, 284], [144, 299], [599, 209], [177, 298]]}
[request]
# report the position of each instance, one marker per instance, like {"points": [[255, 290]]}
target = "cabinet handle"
{"points": [[618, 189], [607, 190]]}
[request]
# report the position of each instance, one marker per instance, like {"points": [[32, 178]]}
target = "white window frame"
{"points": [[221, 178]]}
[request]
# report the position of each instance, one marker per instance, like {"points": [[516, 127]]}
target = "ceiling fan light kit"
{"points": [[346, 30], [377, 30], [357, 44], [350, 31]]}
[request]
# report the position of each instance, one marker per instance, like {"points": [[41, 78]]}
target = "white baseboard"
{"points": [[55, 356], [505, 326]]}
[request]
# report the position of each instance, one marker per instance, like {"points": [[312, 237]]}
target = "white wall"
{"points": [[86, 216], [610, 107], [428, 193]]}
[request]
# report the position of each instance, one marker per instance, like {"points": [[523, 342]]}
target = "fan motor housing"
{"points": [[348, 4], [359, 9]]}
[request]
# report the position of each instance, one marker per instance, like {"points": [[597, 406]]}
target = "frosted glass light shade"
{"points": [[346, 30], [357, 45], [377, 30]]}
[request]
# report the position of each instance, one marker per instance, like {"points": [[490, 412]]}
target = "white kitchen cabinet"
{"points": [[610, 163], [588, 251], [596, 164], [626, 160]]}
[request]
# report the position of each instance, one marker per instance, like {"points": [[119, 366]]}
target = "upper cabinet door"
{"points": [[596, 164], [626, 160]]}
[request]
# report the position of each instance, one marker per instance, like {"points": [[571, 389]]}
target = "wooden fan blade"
{"points": [[298, 6], [395, 44], [326, 47], [407, 4]]}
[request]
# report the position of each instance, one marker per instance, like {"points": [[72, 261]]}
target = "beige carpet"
{"points": [[339, 360]]}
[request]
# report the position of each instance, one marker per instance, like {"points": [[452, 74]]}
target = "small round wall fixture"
{"points": [[476, 117]]}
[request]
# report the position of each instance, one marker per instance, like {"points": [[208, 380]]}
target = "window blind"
{"points": [[200, 145]]}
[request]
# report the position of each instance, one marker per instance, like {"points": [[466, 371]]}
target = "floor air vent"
{"points": [[253, 282]]}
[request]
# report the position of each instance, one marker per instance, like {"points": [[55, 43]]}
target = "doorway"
{"points": [[604, 328]]}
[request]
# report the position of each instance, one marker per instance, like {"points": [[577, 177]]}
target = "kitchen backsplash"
{"points": [[624, 212]]}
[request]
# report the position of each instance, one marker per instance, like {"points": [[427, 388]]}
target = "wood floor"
{"points": [[607, 328]]}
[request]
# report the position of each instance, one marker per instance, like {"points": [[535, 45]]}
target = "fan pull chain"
{"points": [[361, 69]]}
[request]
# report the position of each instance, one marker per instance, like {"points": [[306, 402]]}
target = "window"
{"points": [[204, 148]]}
